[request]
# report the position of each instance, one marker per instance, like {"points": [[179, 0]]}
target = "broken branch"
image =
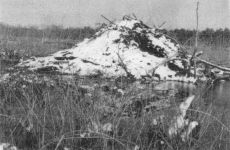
{"points": [[108, 20]]}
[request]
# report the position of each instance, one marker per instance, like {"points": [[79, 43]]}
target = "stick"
{"points": [[197, 24], [108, 19], [161, 25], [134, 16], [196, 39], [197, 35], [59, 142]]}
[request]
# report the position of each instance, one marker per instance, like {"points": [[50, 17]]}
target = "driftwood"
{"points": [[212, 65]]}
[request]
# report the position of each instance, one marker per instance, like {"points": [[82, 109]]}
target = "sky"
{"points": [[78, 13]]}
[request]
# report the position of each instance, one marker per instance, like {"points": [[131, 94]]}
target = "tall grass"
{"points": [[74, 114]]}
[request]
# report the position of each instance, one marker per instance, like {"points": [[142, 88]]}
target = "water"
{"points": [[220, 100], [221, 93], [218, 97], [171, 85], [215, 105]]}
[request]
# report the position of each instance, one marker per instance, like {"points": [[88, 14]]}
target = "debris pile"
{"points": [[125, 48]]}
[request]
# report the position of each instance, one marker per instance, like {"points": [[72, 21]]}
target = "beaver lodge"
{"points": [[124, 48]]}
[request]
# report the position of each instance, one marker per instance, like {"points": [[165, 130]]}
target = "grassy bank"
{"points": [[94, 113]]}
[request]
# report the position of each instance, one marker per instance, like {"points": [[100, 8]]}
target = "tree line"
{"points": [[50, 32], [207, 36], [184, 36]]}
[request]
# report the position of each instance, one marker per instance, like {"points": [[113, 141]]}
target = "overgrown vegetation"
{"points": [[94, 113]]}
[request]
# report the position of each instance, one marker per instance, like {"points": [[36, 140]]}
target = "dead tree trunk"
{"points": [[213, 65], [196, 41]]}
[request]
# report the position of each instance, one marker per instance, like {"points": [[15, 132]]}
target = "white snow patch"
{"points": [[127, 23], [7, 146], [136, 147], [4, 77], [66, 148], [107, 127], [179, 122], [185, 105], [185, 135]]}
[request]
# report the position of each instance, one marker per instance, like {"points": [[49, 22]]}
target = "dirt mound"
{"points": [[124, 48]]}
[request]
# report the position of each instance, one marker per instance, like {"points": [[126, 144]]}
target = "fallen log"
{"points": [[213, 65]]}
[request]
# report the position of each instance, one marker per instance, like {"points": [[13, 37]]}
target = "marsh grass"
{"points": [[62, 113]]}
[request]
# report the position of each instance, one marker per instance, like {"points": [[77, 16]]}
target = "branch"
{"points": [[161, 25], [108, 20], [125, 67], [213, 65]]}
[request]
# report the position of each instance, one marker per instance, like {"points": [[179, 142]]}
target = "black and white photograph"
{"points": [[114, 74]]}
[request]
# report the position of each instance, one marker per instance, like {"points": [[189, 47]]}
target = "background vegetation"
{"points": [[34, 41]]}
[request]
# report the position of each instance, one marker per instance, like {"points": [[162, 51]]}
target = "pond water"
{"points": [[221, 94], [218, 97], [220, 100], [171, 85]]}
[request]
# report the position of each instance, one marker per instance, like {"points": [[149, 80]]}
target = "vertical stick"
{"points": [[197, 24], [197, 36]]}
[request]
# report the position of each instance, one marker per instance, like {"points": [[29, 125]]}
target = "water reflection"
{"points": [[176, 86], [221, 93], [220, 101]]}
